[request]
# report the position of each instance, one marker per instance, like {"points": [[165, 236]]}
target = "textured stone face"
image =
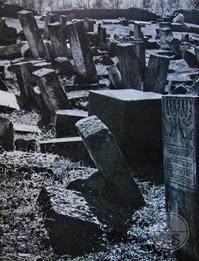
{"points": [[6, 134], [32, 34], [180, 134], [108, 158], [81, 52]]}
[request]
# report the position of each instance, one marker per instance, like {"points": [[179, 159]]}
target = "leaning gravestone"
{"points": [[180, 134], [107, 156], [32, 34], [81, 52]]}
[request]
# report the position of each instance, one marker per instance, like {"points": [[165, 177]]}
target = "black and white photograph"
{"points": [[99, 117]]}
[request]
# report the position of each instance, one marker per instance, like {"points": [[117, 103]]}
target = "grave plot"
{"points": [[86, 124]]}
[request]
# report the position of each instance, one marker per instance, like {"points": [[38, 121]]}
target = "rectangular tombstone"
{"points": [[81, 52], [134, 117], [156, 73], [106, 155], [129, 67], [52, 92], [58, 40], [6, 134], [32, 34], [8, 101], [180, 136]]}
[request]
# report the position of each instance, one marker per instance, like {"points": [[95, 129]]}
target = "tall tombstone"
{"points": [[156, 74], [52, 92], [139, 49], [81, 52], [89, 24], [166, 37], [32, 34], [50, 18], [181, 165], [58, 40], [129, 67], [138, 31]]}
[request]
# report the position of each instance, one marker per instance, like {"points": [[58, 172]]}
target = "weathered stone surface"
{"points": [[65, 122], [134, 118], [191, 58], [180, 135], [25, 145], [64, 66], [75, 221], [138, 32], [8, 35], [50, 18], [129, 67], [58, 40], [139, 50], [70, 148], [108, 158], [32, 34], [6, 134], [52, 92], [179, 19], [166, 36], [81, 52], [115, 76], [89, 24], [12, 51], [156, 74], [23, 128], [8, 101], [197, 52]]}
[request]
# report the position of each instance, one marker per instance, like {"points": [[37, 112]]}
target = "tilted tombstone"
{"points": [[58, 40], [129, 67], [156, 74], [107, 156], [32, 34], [52, 92], [180, 138], [50, 18], [81, 52], [138, 32]]}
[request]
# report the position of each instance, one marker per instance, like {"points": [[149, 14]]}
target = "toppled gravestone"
{"points": [[105, 200], [6, 134]]}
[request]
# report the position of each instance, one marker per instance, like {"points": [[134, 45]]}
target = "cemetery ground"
{"points": [[81, 136]]}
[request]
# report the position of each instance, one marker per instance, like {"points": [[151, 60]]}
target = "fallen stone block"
{"points": [[8, 101], [115, 76], [70, 148], [22, 128], [65, 122], [75, 221], [106, 155], [6, 134]]}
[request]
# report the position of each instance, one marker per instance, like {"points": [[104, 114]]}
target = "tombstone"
{"points": [[156, 74], [114, 76], [89, 24], [191, 58], [32, 34], [166, 36], [50, 18], [103, 35], [65, 122], [63, 19], [134, 118], [58, 40], [197, 52], [138, 35], [12, 51], [106, 155], [6, 134], [69, 147], [139, 50], [64, 66], [52, 92], [8, 101], [129, 67], [179, 19], [8, 35], [180, 129], [81, 52]]}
